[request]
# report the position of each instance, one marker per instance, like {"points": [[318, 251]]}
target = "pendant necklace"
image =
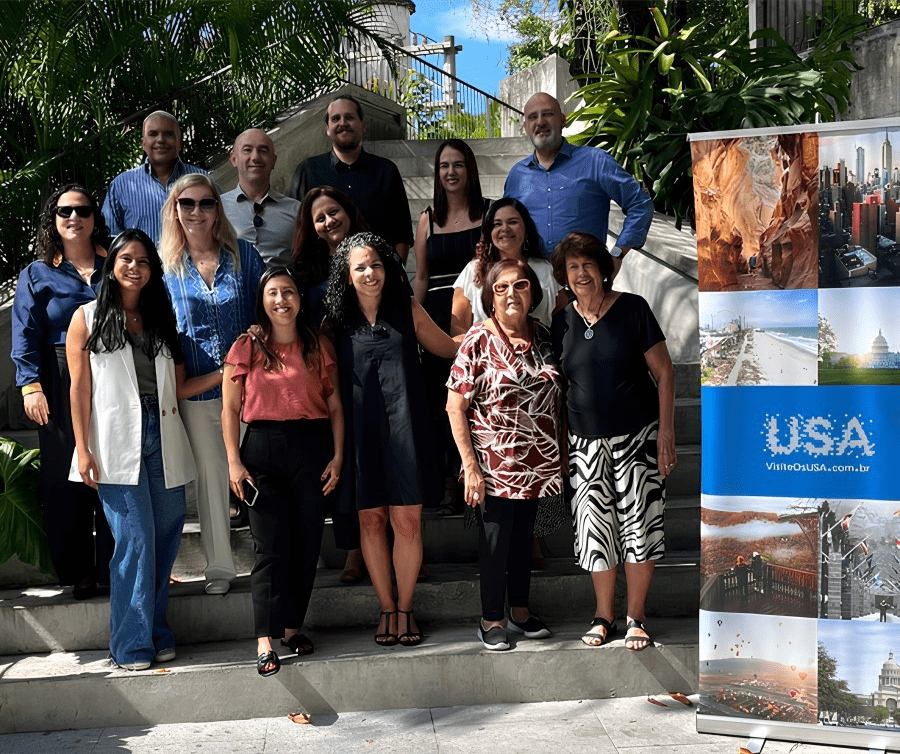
{"points": [[589, 327]]}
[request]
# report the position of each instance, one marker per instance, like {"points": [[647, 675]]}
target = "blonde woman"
{"points": [[212, 278]]}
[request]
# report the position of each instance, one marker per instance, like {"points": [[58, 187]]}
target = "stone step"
{"points": [[347, 672], [42, 619], [687, 379]]}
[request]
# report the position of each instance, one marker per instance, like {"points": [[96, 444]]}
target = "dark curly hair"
{"points": [[309, 343], [309, 255], [473, 183], [341, 302], [108, 332], [49, 242], [486, 254], [578, 244]]}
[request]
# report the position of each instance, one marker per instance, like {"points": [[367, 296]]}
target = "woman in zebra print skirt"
{"points": [[620, 401]]}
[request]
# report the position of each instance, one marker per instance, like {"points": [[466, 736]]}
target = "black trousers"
{"points": [[72, 510], [504, 554], [286, 460]]}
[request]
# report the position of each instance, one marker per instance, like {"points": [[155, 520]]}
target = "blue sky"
{"points": [[483, 37], [791, 308]]}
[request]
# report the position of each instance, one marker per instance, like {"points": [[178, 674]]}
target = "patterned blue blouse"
{"points": [[211, 318]]}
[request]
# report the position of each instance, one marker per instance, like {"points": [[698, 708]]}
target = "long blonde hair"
{"points": [[173, 243]]}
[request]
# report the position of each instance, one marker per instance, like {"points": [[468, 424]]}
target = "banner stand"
{"points": [[798, 257]]}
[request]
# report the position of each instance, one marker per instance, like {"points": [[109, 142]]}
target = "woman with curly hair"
{"points": [[388, 470], [72, 237], [280, 384], [127, 374], [508, 232], [212, 278]]}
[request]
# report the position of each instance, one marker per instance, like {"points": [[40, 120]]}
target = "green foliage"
{"points": [[77, 78], [656, 87], [827, 340], [879, 714], [21, 521], [834, 695]]}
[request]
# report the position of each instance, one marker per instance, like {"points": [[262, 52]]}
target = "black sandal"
{"points": [[387, 639], [590, 637], [630, 639], [299, 644], [269, 658], [408, 638]]}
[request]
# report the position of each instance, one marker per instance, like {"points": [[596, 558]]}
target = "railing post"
{"points": [[450, 69], [488, 120]]}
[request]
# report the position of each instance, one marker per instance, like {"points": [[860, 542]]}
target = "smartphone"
{"points": [[250, 492]]}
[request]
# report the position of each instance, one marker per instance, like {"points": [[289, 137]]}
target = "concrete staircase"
{"points": [[214, 676]]}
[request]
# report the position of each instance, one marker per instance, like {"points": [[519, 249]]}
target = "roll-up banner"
{"points": [[799, 277]]}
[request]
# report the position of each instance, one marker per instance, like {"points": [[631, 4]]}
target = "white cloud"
{"points": [[462, 20]]}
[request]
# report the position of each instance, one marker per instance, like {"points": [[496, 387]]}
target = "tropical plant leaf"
{"points": [[21, 522]]}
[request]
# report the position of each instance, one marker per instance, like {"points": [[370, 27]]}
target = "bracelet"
{"points": [[34, 387]]}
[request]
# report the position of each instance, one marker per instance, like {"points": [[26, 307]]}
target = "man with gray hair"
{"points": [[136, 196], [260, 214]]}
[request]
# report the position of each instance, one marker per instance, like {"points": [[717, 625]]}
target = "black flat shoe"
{"points": [[85, 590], [269, 658], [299, 644]]}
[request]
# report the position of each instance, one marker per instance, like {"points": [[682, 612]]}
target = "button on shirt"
{"points": [[274, 236], [46, 298], [211, 318], [372, 182], [574, 195], [135, 198]]}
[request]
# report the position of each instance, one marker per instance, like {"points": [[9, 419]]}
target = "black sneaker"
{"points": [[493, 638], [533, 627]]}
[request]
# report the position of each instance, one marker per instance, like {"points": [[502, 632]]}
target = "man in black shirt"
{"points": [[372, 182]]}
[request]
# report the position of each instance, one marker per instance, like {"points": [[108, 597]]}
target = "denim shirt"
{"points": [[575, 193], [211, 318]]}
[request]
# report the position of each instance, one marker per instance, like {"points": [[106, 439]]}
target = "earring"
{"points": [[525, 246]]}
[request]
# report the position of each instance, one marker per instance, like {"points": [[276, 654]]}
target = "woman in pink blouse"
{"points": [[280, 384], [504, 403]]}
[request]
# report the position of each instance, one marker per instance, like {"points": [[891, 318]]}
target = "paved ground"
{"points": [[610, 726]]}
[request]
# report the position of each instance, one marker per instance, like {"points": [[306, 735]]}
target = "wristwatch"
{"points": [[616, 252]]}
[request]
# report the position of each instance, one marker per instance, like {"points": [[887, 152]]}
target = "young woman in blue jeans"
{"points": [[125, 357]]}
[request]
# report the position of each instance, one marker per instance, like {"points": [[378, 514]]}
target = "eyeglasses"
{"points": [[205, 204], [82, 210], [258, 210], [519, 285]]}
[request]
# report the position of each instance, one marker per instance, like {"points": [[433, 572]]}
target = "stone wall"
{"points": [[551, 75], [875, 90]]}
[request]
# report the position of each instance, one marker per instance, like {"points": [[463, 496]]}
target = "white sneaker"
{"points": [[165, 655], [139, 665], [217, 586]]}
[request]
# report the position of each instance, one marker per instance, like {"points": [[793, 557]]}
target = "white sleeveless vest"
{"points": [[116, 422]]}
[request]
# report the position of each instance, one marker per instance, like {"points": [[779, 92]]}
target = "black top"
{"points": [[610, 390], [374, 184]]}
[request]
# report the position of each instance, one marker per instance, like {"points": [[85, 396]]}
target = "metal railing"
{"points": [[439, 105]]}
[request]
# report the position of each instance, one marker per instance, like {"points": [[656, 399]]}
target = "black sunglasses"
{"points": [[204, 204], [82, 210]]}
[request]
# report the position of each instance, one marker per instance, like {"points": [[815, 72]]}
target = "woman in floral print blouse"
{"points": [[504, 403]]}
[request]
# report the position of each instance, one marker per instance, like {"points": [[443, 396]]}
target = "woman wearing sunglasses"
{"points": [[503, 400], [281, 384], [212, 278], [72, 236]]}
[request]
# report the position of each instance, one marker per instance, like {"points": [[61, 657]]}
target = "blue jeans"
{"points": [[146, 521]]}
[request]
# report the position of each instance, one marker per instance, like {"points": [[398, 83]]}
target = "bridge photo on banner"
{"points": [[799, 276]]}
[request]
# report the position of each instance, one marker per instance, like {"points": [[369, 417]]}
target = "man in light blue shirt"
{"points": [[259, 213], [567, 188], [136, 196]]}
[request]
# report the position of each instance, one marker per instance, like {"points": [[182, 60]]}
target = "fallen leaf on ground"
{"points": [[679, 697], [656, 702], [301, 718], [162, 670]]}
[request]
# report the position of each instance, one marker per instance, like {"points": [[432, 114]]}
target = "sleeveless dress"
{"points": [[448, 254]]}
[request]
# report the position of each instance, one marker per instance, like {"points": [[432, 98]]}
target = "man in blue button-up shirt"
{"points": [[136, 196], [568, 188]]}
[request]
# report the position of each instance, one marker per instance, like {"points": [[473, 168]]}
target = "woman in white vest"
{"points": [[125, 357]]}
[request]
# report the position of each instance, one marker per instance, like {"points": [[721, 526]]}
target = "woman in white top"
{"points": [[508, 232], [124, 357]]}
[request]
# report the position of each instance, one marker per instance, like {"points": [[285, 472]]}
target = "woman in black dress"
{"points": [[445, 243], [387, 473], [71, 240]]}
